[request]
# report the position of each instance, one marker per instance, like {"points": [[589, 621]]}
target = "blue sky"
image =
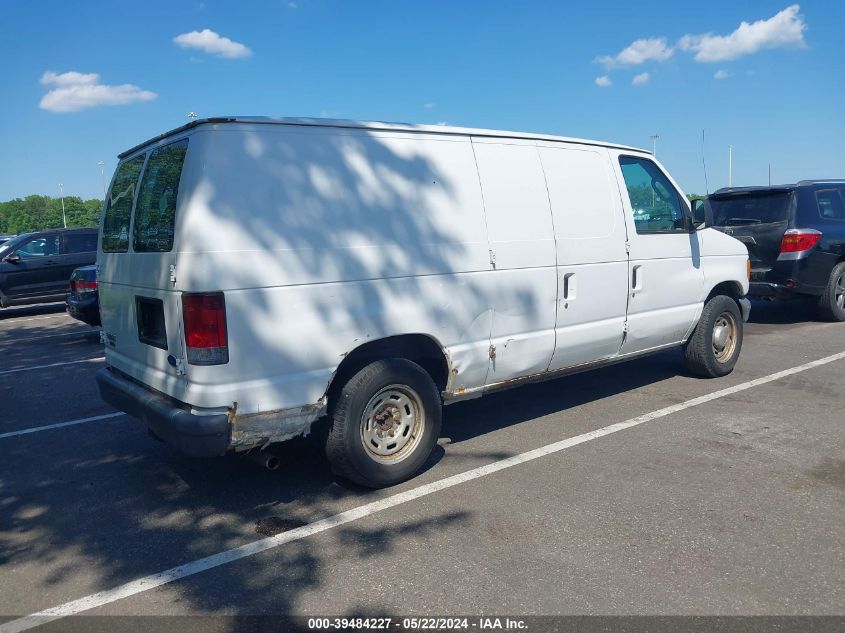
{"points": [[772, 88]]}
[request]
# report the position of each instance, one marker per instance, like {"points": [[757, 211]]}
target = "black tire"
{"points": [[351, 445], [831, 305], [706, 356]]}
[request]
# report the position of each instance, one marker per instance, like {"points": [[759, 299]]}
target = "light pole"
{"points": [[102, 178], [62, 196], [654, 138], [730, 165]]}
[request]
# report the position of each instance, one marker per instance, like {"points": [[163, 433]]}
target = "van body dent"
{"points": [[252, 269]]}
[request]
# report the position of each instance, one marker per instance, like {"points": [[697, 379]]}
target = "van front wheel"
{"points": [[384, 424], [714, 346]]}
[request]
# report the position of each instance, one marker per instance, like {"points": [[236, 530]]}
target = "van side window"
{"points": [[830, 203], [119, 205], [656, 203], [155, 215]]}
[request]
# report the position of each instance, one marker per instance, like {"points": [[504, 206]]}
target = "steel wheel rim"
{"points": [[724, 337], [392, 424], [839, 292]]}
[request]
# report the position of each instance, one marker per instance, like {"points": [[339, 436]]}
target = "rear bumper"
{"points": [[197, 435], [85, 309], [771, 290]]}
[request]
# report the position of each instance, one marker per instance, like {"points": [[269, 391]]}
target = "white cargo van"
{"points": [[260, 275]]}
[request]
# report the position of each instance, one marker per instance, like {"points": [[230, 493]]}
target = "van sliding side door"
{"points": [[592, 263], [522, 257]]}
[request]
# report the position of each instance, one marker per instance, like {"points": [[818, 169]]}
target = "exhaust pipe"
{"points": [[265, 459]]}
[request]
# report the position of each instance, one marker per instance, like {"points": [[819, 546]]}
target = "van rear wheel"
{"points": [[713, 348], [384, 424]]}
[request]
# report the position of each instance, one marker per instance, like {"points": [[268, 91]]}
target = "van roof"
{"points": [[374, 125]]}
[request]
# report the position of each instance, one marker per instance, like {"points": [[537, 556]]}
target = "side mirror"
{"points": [[699, 215], [12, 258]]}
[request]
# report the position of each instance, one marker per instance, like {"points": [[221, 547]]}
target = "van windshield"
{"points": [[765, 207]]}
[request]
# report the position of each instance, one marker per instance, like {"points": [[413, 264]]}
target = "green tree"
{"points": [[35, 212]]}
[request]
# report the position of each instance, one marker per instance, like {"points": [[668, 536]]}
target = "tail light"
{"points": [[204, 319], [799, 240], [82, 287]]}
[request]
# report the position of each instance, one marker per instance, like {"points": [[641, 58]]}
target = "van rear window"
{"points": [[155, 214], [119, 205]]}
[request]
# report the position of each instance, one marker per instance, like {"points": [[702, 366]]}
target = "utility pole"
{"points": [[102, 178], [62, 196], [730, 165], [654, 138], [770, 174]]}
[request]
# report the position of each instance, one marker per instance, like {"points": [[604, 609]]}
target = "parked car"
{"points": [[83, 301], [259, 276], [35, 267], [795, 236]]}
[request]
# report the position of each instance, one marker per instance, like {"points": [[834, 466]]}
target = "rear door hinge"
{"points": [[173, 273], [493, 258], [628, 247], [180, 367], [625, 328]]}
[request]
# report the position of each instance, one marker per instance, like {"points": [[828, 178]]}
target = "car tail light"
{"points": [[82, 287], [798, 240], [204, 318]]}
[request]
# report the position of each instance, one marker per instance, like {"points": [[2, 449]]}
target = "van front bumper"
{"points": [[197, 435], [745, 308]]}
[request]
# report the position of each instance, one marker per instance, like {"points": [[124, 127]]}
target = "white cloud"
{"points": [[639, 52], [212, 43], [641, 79], [428, 105], [75, 91], [442, 123], [71, 78], [721, 74], [784, 29], [603, 81]]}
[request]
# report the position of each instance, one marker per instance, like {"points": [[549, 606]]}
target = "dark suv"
{"points": [[795, 236], [36, 267]]}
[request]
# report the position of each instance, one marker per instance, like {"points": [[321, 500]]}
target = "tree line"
{"points": [[35, 213]]}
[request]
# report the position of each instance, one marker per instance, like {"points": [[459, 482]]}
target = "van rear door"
{"points": [[139, 304], [758, 219]]}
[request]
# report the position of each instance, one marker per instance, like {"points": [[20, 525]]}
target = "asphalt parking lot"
{"points": [[733, 504]]}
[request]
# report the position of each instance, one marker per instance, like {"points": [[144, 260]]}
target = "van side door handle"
{"points": [[637, 278]]}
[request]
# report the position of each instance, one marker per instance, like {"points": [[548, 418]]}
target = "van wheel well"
{"points": [[418, 348], [728, 288]]}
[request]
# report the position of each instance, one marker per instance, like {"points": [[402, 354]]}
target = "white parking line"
{"points": [[37, 318], [39, 338], [59, 425], [69, 362], [255, 547]]}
